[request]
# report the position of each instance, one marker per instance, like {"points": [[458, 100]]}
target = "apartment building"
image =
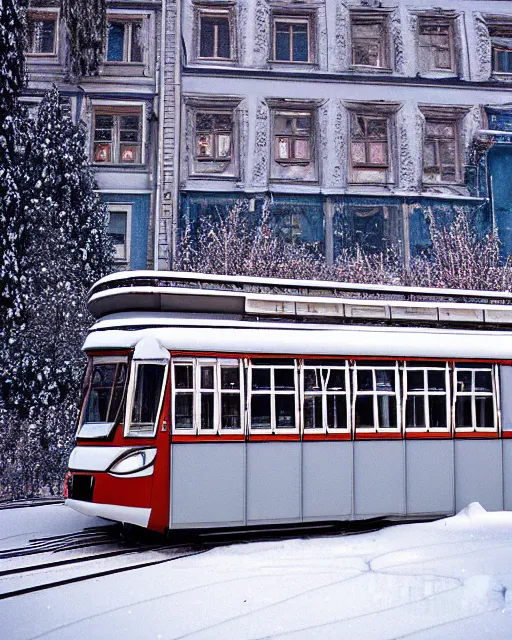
{"points": [[119, 106], [351, 122], [355, 121]]}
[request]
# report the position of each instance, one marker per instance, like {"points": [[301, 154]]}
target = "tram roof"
{"points": [[240, 297], [305, 340]]}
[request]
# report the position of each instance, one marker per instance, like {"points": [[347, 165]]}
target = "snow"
{"points": [[291, 283], [447, 579], [312, 339]]}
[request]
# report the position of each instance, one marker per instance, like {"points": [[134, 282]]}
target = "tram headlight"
{"points": [[135, 461]]}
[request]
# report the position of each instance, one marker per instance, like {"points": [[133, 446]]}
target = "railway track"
{"points": [[102, 551]]}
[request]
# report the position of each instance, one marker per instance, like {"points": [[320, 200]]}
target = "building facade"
{"points": [[355, 121], [120, 108], [348, 122]]}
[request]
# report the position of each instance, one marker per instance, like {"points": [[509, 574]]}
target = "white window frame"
{"points": [[114, 207], [473, 394], [128, 19], [53, 14], [291, 20], [272, 392], [215, 12], [375, 393], [130, 397], [218, 364], [136, 106], [426, 394], [324, 392]]}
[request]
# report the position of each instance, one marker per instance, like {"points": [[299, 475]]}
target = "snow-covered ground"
{"points": [[446, 579]]}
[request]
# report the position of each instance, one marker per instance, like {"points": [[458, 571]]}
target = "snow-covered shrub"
{"points": [[232, 244]]}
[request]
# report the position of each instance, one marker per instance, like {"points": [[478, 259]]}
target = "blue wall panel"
{"points": [[500, 166], [140, 225]]}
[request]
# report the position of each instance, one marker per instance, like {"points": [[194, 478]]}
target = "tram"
{"points": [[216, 401]]}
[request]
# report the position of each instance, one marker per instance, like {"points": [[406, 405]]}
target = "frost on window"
{"points": [[105, 393]]}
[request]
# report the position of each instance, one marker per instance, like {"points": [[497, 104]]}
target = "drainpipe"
{"points": [[177, 137], [160, 155]]}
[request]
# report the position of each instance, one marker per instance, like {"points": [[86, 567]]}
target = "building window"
{"points": [[125, 40], [117, 135], [291, 42], [292, 133], [369, 35], [214, 132], [475, 397], [325, 397], [273, 399], [436, 46], [208, 396], [440, 152], [501, 43], [376, 397], [369, 141], [373, 229], [42, 33], [427, 397], [119, 229], [215, 35]]}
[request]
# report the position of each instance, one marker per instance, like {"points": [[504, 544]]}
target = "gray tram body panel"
{"points": [[250, 483]]}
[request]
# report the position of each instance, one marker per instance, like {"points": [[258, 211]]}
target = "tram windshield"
{"points": [[105, 394]]}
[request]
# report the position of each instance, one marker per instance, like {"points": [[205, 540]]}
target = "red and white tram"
{"points": [[217, 401]]}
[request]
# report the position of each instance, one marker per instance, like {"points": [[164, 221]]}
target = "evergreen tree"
{"points": [[12, 137], [86, 22], [68, 249]]}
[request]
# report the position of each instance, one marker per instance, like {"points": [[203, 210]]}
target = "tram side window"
{"points": [[325, 396], [183, 379], [376, 396], [475, 397], [273, 396], [146, 399], [208, 396], [426, 391], [106, 392]]}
